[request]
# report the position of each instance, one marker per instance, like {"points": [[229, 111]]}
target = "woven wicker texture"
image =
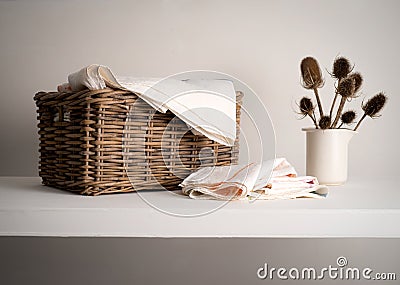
{"points": [[89, 144]]}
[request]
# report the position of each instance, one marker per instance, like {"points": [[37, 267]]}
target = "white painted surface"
{"points": [[361, 208]]}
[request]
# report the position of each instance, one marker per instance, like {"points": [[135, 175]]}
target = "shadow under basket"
{"points": [[108, 141]]}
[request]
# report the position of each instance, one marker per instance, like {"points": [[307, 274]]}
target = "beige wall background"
{"points": [[259, 42]]}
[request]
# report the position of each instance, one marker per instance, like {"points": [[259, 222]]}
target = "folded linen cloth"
{"points": [[268, 180], [208, 106]]}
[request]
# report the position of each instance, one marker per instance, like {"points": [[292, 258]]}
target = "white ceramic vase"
{"points": [[327, 154]]}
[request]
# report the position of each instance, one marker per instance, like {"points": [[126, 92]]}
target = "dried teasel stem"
{"points": [[372, 107], [334, 100], [314, 119], [359, 122], [341, 105], [341, 68], [307, 109], [342, 71], [321, 112], [346, 89], [333, 104], [312, 116], [312, 78]]}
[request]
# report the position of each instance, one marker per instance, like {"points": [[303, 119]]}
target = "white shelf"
{"points": [[361, 208]]}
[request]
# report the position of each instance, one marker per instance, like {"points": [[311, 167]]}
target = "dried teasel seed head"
{"points": [[311, 73], [306, 106], [324, 122], [374, 105], [341, 68], [347, 87], [358, 80], [348, 117]]}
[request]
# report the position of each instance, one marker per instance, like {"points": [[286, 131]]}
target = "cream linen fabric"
{"points": [[207, 106]]}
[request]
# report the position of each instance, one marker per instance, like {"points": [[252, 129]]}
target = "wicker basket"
{"points": [[82, 143]]}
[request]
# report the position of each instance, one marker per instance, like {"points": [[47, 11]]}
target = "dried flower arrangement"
{"points": [[347, 86]]}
